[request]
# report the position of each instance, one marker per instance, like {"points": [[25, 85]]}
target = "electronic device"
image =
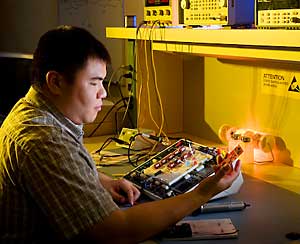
{"points": [[218, 12], [180, 168], [278, 14], [165, 11], [143, 138]]}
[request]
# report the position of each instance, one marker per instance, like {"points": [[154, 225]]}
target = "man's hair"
{"points": [[66, 49]]}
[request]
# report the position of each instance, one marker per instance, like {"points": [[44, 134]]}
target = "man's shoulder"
{"points": [[30, 127]]}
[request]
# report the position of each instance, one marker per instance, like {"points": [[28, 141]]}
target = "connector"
{"points": [[127, 67], [127, 76]]}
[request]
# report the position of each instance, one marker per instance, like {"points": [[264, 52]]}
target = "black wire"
{"points": [[104, 145], [132, 139], [116, 119], [138, 157], [114, 156], [120, 90], [108, 140], [148, 155], [105, 116]]}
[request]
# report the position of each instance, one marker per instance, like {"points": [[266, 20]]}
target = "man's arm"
{"points": [[145, 220]]}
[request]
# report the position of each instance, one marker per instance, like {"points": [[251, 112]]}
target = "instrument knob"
{"points": [[185, 4], [223, 3]]}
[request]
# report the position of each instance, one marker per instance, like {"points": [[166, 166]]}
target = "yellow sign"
{"points": [[280, 83]]}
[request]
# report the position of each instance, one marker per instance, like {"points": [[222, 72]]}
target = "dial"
{"points": [[223, 3], [185, 4]]}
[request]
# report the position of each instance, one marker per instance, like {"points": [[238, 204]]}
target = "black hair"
{"points": [[66, 49]]}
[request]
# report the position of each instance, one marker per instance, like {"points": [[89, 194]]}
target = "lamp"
{"points": [[258, 146]]}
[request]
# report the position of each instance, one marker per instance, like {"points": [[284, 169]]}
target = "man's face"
{"points": [[83, 98]]}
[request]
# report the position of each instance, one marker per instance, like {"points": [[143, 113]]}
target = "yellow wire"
{"points": [[141, 83], [160, 128], [156, 89], [110, 80], [148, 81], [127, 108]]}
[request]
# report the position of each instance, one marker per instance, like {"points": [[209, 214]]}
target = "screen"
{"points": [[15, 77], [157, 3], [278, 4]]}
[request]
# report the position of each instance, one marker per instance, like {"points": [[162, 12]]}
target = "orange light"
{"points": [[259, 147]]}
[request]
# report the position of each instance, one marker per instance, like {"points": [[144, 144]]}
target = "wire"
{"points": [[156, 85], [104, 145], [108, 141], [147, 85], [132, 139], [139, 156], [141, 80], [148, 35], [160, 128], [126, 67], [162, 120], [105, 116], [126, 105], [116, 120]]}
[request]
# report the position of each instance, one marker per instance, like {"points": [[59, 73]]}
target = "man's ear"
{"points": [[54, 82]]}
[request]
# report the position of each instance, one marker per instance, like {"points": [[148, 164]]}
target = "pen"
{"points": [[223, 206]]}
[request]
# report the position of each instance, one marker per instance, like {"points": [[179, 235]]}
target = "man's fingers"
{"points": [[118, 197], [130, 190], [130, 196], [237, 166]]}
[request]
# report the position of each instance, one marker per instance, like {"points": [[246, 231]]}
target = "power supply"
{"points": [[281, 14], [165, 11], [218, 12]]}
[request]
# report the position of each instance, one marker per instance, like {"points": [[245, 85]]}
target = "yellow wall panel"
{"points": [[234, 95]]}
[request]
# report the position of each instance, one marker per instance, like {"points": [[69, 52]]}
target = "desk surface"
{"points": [[272, 190], [273, 213]]}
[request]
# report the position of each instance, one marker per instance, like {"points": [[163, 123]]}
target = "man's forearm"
{"points": [[104, 179], [145, 220]]}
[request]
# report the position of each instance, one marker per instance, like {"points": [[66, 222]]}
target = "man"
{"points": [[49, 186]]}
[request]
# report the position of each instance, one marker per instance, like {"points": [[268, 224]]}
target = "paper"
{"points": [[209, 229]]}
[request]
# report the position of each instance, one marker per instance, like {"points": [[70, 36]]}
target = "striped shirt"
{"points": [[49, 185]]}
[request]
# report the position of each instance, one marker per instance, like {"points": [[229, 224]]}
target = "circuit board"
{"points": [[177, 169]]}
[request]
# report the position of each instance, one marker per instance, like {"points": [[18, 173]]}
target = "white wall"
{"points": [[22, 22], [95, 16]]}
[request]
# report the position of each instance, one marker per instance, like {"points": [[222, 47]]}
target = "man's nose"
{"points": [[102, 92]]}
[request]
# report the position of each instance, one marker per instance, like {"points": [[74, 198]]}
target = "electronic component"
{"points": [[283, 14], [139, 137], [218, 12], [165, 11], [179, 168]]}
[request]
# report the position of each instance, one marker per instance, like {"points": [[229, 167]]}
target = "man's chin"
{"points": [[92, 119]]}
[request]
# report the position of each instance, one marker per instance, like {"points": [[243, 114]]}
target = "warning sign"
{"points": [[281, 83], [294, 86]]}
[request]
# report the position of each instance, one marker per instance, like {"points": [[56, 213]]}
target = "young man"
{"points": [[49, 186]]}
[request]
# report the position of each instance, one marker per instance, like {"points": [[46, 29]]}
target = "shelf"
{"points": [[279, 45]]}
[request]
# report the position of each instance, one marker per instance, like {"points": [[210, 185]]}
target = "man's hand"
{"points": [[121, 190], [221, 180]]}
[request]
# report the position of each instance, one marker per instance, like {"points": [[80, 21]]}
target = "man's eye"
{"points": [[93, 83]]}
